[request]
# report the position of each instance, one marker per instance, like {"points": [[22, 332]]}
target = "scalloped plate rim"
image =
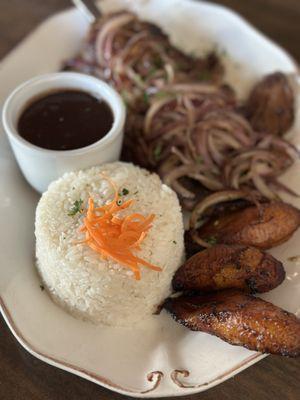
{"points": [[76, 369], [102, 381]]}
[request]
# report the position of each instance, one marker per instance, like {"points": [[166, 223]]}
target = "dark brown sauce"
{"points": [[65, 120]]}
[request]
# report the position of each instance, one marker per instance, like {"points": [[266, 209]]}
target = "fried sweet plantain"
{"points": [[270, 107], [223, 267], [239, 319], [264, 227]]}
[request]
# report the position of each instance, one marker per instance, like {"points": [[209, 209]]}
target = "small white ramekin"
{"points": [[41, 166]]}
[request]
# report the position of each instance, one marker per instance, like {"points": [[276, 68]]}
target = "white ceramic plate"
{"points": [[154, 359]]}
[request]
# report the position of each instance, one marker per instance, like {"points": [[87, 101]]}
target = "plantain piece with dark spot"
{"points": [[223, 267], [239, 319], [270, 107], [263, 227], [191, 246]]}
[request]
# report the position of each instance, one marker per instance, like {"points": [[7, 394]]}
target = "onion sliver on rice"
{"points": [[76, 276]]}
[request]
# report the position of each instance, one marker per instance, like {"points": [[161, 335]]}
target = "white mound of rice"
{"points": [[77, 277]]}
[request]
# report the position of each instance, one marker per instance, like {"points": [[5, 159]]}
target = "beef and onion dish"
{"points": [[224, 158]]}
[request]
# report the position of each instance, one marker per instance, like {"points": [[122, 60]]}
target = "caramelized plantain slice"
{"points": [[239, 319], [264, 227], [235, 266], [270, 107]]}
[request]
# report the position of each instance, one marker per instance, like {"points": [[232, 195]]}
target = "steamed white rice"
{"points": [[77, 277]]}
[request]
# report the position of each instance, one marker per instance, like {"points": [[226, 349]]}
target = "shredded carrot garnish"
{"points": [[115, 237]]}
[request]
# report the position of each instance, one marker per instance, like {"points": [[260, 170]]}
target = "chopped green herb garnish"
{"points": [[162, 94], [119, 202], [76, 208], [146, 98], [214, 50], [174, 241], [158, 62], [152, 71], [199, 160], [124, 192], [222, 52], [157, 151], [125, 96], [181, 65], [211, 240], [204, 75], [137, 79], [193, 54], [136, 192], [42, 287]]}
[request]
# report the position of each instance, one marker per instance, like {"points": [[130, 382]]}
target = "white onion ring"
{"points": [[213, 199], [111, 25]]}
